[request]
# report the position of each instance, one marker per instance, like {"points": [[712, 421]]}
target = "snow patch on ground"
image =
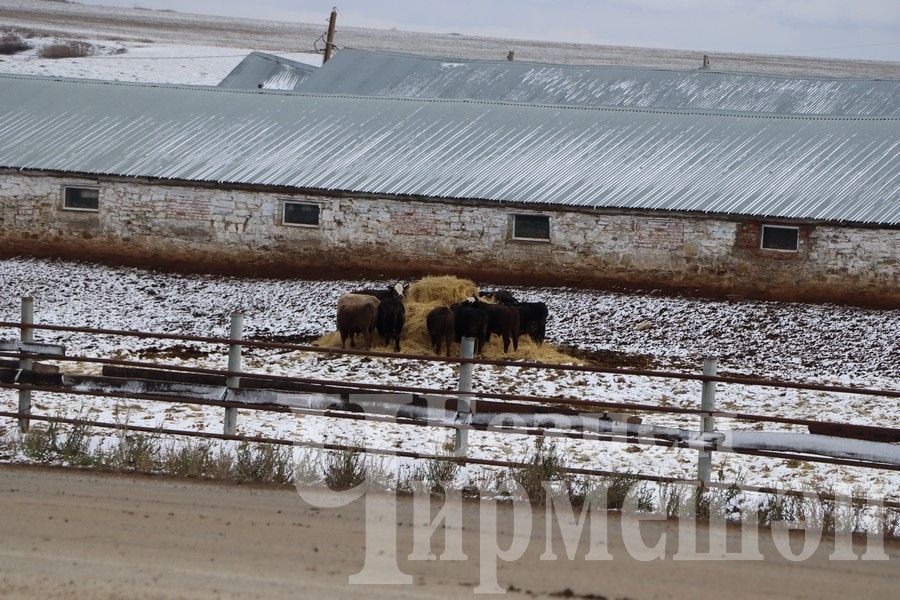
{"points": [[138, 61]]}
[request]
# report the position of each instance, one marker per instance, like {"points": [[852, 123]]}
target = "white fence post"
{"points": [[234, 364], [464, 402], [25, 364], [707, 422]]}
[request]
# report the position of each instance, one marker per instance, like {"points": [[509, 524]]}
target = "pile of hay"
{"points": [[431, 292]]}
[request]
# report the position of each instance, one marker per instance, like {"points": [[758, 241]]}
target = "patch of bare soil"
{"points": [[286, 339], [611, 359], [180, 351]]}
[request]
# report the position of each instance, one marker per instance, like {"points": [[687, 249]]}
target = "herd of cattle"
{"points": [[368, 311]]}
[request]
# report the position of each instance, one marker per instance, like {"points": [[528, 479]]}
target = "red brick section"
{"points": [[667, 234], [749, 234]]}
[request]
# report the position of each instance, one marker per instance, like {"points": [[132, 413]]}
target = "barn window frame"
{"points": [[767, 226], [518, 238], [64, 192], [316, 205]]}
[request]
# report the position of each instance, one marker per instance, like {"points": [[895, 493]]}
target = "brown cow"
{"points": [[356, 313], [440, 328]]}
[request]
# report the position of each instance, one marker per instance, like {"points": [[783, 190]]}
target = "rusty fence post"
{"points": [[234, 365], [25, 364], [707, 422], [464, 402]]}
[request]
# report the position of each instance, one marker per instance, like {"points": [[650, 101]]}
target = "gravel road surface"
{"points": [[77, 535]]}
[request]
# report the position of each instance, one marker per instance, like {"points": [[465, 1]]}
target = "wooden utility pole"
{"points": [[329, 40]]}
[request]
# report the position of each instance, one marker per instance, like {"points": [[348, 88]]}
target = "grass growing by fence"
{"points": [[147, 453], [341, 470], [9, 444], [543, 465], [53, 443], [199, 460], [344, 470], [437, 474]]}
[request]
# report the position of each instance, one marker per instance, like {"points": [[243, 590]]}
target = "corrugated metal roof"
{"points": [[832, 168], [395, 75], [267, 71]]}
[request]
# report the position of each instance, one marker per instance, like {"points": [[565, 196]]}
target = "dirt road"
{"points": [[81, 535]]}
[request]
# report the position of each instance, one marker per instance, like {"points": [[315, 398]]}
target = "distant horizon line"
{"points": [[511, 38]]}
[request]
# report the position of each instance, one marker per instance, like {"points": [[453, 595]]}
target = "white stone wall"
{"points": [[183, 224]]}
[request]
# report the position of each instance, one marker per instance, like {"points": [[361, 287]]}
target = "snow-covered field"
{"points": [[169, 27], [136, 60], [822, 343]]}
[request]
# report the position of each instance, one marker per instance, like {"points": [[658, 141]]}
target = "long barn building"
{"points": [[778, 200]]}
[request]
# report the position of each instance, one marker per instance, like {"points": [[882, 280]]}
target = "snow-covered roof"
{"points": [[799, 167], [268, 72], [397, 75]]}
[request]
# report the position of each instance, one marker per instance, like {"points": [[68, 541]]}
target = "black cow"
{"points": [[502, 320], [391, 316], [500, 297], [472, 322], [441, 328], [533, 319], [382, 293]]}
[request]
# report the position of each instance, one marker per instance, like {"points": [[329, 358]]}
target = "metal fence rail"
{"points": [[247, 343], [562, 401], [26, 352], [624, 437]]}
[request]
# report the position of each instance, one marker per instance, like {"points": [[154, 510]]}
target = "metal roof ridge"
{"points": [[616, 67], [344, 96]]}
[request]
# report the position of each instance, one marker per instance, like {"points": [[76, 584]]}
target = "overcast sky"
{"points": [[868, 29]]}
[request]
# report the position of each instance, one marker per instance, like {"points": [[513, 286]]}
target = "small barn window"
{"points": [[531, 227], [779, 237], [302, 214], [81, 198]]}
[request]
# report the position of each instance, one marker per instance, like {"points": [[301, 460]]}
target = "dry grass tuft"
{"points": [[445, 290], [429, 293], [71, 49]]}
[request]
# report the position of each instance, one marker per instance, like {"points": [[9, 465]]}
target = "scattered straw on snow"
{"points": [[431, 292]]}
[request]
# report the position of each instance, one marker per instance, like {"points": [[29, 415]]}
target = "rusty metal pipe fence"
{"points": [[756, 381], [26, 354], [537, 400], [629, 438]]}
